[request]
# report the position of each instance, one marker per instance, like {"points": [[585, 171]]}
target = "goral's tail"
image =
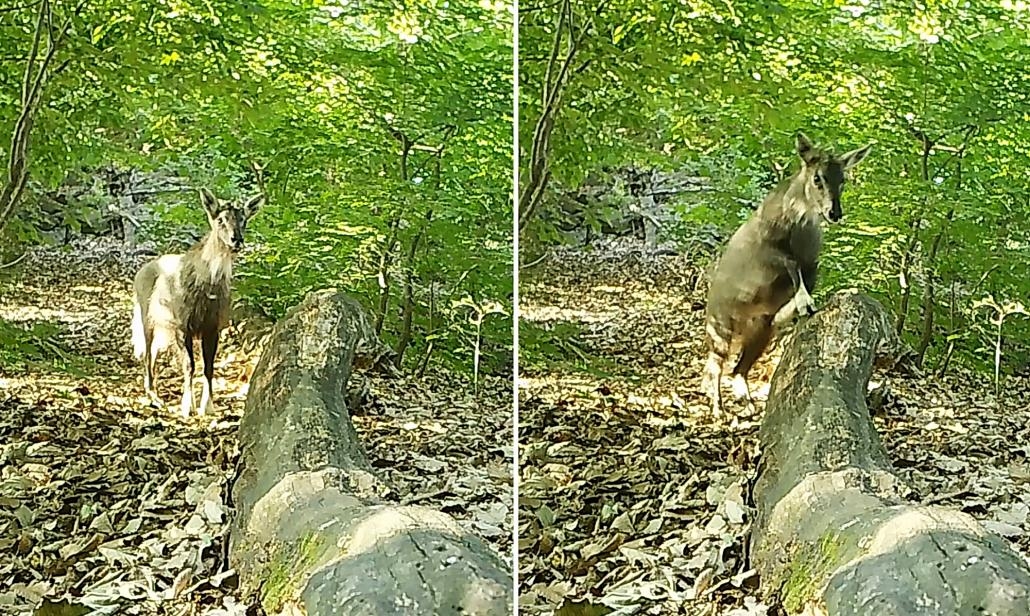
{"points": [[138, 339]]}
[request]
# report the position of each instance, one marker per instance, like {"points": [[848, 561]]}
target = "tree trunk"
{"points": [[311, 534], [385, 261], [834, 534], [556, 79], [649, 213], [408, 309], [32, 88], [929, 292], [904, 275]]}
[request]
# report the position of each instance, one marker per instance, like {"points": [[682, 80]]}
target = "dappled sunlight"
{"points": [[545, 313], [27, 314], [858, 227], [601, 311], [566, 381], [57, 382], [648, 298]]}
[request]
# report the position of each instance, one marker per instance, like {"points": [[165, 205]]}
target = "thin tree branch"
{"points": [[14, 9], [15, 262], [32, 87]]}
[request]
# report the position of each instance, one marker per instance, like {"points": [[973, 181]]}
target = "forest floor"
{"points": [[109, 504], [634, 500]]}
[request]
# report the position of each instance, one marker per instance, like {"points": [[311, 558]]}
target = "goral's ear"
{"points": [[252, 205], [806, 150], [210, 202], [852, 158]]}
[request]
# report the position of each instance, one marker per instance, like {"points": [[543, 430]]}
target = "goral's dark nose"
{"points": [[836, 213]]}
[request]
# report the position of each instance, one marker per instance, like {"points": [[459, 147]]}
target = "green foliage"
{"points": [[558, 346], [719, 90], [25, 348], [365, 119]]}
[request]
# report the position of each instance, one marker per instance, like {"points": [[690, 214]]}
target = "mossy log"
{"points": [[834, 533], [311, 533]]}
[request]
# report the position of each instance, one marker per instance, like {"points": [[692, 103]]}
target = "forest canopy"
{"points": [[935, 220]]}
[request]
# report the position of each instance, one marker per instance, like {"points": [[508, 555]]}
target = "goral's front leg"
{"points": [[800, 304], [803, 302]]}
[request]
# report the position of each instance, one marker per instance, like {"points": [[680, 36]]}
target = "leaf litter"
{"points": [[633, 499], [108, 506]]}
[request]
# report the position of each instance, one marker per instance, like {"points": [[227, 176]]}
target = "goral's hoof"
{"points": [[206, 409]]}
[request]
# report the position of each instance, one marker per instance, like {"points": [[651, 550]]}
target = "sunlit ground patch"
{"points": [[543, 314]]}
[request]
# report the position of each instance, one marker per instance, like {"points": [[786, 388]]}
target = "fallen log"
{"points": [[311, 533], [834, 533]]}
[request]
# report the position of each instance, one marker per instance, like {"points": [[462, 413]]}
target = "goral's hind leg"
{"points": [[208, 346], [187, 375], [711, 379], [756, 340], [150, 352], [711, 382]]}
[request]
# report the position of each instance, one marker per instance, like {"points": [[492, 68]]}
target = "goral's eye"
{"points": [[818, 182]]}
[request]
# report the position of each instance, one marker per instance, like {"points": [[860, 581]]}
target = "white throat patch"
{"points": [[219, 261]]}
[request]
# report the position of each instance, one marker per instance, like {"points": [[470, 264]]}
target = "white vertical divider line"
{"points": [[515, 305]]}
